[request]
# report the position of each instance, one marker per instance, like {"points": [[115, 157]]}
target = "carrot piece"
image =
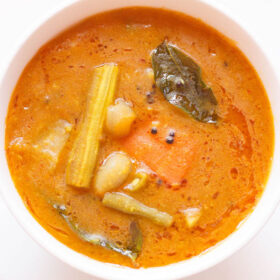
{"points": [[169, 161]]}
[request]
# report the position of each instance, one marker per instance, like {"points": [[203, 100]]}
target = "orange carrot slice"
{"points": [[169, 161]]}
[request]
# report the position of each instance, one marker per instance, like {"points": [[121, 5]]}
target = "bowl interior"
{"points": [[72, 12]]}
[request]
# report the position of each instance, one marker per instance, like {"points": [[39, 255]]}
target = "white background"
{"points": [[22, 259]]}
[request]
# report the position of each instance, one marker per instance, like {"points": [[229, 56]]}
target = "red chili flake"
{"points": [[184, 181], [212, 241], [158, 236], [114, 227], [171, 254], [28, 203], [175, 226], [115, 50], [16, 101], [211, 51], [149, 97], [127, 50], [70, 66], [223, 89], [54, 60], [142, 60], [215, 195], [99, 45], [234, 173], [167, 235], [47, 76]]}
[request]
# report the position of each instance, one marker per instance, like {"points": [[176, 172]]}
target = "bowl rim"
{"points": [[111, 271]]}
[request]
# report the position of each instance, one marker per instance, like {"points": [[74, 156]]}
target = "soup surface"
{"points": [[202, 178]]}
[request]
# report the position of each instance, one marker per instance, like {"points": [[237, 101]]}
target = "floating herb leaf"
{"points": [[136, 237], [132, 252], [179, 79]]}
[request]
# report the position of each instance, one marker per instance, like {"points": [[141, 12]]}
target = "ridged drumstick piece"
{"points": [[83, 156]]}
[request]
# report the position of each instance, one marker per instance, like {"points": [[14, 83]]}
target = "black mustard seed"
{"points": [[154, 130], [169, 139]]}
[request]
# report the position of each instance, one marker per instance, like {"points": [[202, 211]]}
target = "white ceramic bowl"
{"points": [[72, 12]]}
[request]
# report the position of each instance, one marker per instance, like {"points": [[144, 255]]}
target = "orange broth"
{"points": [[221, 169]]}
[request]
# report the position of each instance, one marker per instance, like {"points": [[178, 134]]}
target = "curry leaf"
{"points": [[136, 237], [96, 239], [179, 79]]}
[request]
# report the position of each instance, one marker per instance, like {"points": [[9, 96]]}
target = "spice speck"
{"points": [[169, 139], [172, 132], [154, 130]]}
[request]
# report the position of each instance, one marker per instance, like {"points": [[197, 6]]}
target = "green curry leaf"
{"points": [[179, 79], [96, 239], [136, 237]]}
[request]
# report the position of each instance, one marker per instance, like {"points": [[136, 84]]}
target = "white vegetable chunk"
{"points": [[192, 215], [113, 173], [119, 119], [53, 140]]}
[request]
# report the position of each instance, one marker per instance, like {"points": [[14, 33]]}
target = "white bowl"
{"points": [[72, 12]]}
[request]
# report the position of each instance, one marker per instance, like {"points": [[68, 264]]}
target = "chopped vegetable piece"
{"points": [[84, 153], [53, 140], [139, 182], [136, 237], [179, 79], [170, 162], [97, 239], [129, 205], [192, 215], [113, 173], [119, 119]]}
